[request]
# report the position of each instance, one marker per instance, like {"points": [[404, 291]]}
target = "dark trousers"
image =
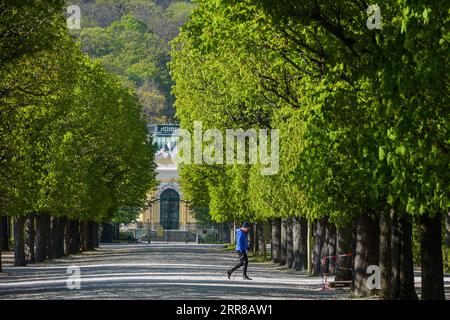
{"points": [[243, 261]]}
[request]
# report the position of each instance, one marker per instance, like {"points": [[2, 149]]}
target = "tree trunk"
{"points": [[447, 242], [117, 232], [299, 243], [95, 239], [367, 252], [58, 226], [41, 236], [4, 239], [402, 259], [9, 233], [261, 239], [407, 289], [385, 256], [83, 236], [90, 235], [30, 234], [289, 244], [431, 258], [251, 237], [329, 249], [255, 237], [55, 237], [74, 229], [19, 242], [396, 240], [49, 239], [61, 236], [107, 233], [66, 237], [232, 233], [276, 240], [344, 247], [283, 243], [296, 244], [2, 235], [319, 239]]}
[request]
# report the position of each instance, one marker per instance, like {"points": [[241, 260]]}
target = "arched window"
{"points": [[169, 209]]}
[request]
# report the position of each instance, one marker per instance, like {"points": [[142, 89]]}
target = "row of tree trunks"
{"points": [[88, 235], [257, 238], [402, 259], [276, 241], [385, 242], [39, 236], [289, 242], [396, 257], [299, 243]]}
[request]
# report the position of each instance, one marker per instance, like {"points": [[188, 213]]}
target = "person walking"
{"points": [[241, 248]]}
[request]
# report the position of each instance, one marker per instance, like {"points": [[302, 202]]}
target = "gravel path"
{"points": [[157, 271]]}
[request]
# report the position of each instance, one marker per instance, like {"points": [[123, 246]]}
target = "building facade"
{"points": [[167, 209], [167, 216]]}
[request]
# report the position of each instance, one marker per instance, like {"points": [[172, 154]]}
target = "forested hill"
{"points": [[131, 39]]}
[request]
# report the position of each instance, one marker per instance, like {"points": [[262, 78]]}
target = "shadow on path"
{"points": [[157, 271]]}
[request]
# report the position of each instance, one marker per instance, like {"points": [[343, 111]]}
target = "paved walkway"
{"points": [[157, 271]]}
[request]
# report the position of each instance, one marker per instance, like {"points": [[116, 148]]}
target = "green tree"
{"points": [[74, 142], [356, 148]]}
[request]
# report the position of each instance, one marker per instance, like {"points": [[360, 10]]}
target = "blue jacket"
{"points": [[241, 241]]}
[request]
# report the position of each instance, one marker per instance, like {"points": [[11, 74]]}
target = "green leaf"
{"points": [[381, 153]]}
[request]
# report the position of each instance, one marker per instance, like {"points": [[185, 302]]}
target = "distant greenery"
{"points": [[130, 38], [210, 238], [127, 236], [254, 257], [230, 247]]}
